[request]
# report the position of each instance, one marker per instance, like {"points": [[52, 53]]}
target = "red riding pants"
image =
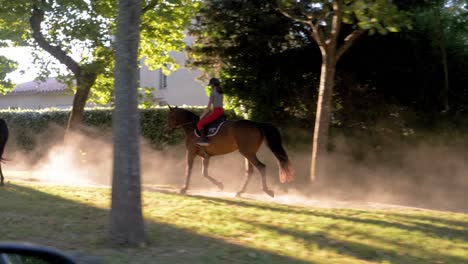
{"points": [[217, 112]]}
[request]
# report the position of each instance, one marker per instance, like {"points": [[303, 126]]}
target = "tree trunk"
{"points": [[126, 220], [446, 91], [83, 87], [84, 80], [443, 58], [322, 118]]}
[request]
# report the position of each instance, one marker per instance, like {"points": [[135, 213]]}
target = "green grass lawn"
{"points": [[197, 229]]}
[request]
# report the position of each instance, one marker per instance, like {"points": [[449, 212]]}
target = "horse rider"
{"points": [[215, 101]]}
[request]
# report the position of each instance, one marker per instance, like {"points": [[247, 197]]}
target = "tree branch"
{"points": [[348, 41], [316, 33], [336, 21], [150, 6], [37, 16], [295, 18]]}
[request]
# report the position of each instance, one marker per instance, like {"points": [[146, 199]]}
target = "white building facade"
{"points": [[38, 95], [179, 88]]}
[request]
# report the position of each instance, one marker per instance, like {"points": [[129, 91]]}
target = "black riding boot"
{"points": [[203, 140]]}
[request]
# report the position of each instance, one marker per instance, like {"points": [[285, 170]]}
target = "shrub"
{"points": [[29, 126]]}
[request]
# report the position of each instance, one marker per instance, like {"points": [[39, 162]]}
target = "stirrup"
{"points": [[203, 143]]}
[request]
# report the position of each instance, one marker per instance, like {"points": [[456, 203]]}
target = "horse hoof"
{"points": [[238, 195], [220, 186], [270, 192], [183, 191]]}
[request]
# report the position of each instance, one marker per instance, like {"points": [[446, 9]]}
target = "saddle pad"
{"points": [[212, 131]]}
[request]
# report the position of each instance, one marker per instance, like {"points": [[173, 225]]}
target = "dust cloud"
{"points": [[431, 173], [431, 176], [86, 159]]}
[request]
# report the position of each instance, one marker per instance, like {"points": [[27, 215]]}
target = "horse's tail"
{"points": [[274, 142]]}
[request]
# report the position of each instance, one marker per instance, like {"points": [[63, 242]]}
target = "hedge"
{"points": [[28, 127]]}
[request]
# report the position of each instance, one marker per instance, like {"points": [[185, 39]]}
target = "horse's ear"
{"points": [[168, 105]]}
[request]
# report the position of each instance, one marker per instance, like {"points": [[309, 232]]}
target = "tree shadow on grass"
{"points": [[427, 218], [408, 222], [362, 251], [459, 232], [34, 216]]}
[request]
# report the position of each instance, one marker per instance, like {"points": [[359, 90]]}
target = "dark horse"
{"points": [[243, 135], [3, 141]]}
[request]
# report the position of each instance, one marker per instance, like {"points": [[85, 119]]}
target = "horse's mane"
{"points": [[190, 116]]}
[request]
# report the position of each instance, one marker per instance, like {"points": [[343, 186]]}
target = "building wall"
{"points": [[36, 101], [181, 87]]}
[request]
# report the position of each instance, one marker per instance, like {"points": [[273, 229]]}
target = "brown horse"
{"points": [[243, 135]]}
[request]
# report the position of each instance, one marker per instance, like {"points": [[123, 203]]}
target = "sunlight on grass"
{"points": [[196, 229], [315, 235]]}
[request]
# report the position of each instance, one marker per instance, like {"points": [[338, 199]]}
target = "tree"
{"points": [[445, 22], [261, 56], [325, 21], [410, 71], [78, 34], [6, 66], [126, 220]]}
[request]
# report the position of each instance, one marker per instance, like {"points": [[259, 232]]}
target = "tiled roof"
{"points": [[50, 85]]}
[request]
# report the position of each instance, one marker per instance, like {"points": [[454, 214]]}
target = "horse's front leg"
{"points": [[190, 156], [206, 164]]}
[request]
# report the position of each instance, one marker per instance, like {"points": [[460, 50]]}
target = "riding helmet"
{"points": [[214, 81]]}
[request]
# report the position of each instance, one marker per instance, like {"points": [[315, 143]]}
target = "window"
{"points": [[162, 80]]}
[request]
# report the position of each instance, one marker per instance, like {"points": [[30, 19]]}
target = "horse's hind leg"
{"points": [[206, 164], [248, 175], [261, 168]]}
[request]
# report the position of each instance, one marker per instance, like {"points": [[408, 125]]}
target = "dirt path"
{"points": [[292, 198]]}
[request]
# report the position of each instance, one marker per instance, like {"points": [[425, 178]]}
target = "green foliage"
{"points": [[207, 90], [84, 30], [145, 97], [405, 68], [6, 66], [376, 16], [380, 16], [262, 58], [269, 65], [163, 30]]}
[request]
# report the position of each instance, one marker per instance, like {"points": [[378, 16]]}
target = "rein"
{"points": [[184, 124]]}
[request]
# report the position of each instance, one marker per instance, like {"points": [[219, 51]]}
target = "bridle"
{"points": [[184, 124]]}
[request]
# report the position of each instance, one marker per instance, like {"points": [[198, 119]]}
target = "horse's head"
{"points": [[172, 121], [179, 117]]}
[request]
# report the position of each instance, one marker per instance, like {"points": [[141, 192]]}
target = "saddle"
{"points": [[213, 127]]}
